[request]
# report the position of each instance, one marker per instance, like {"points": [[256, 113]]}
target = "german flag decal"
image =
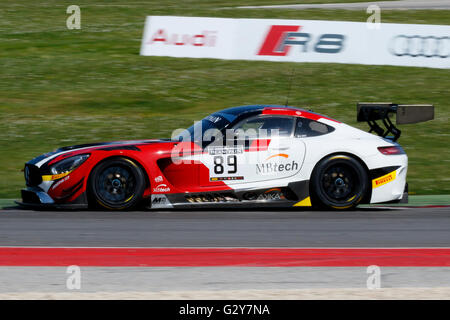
{"points": [[383, 180]]}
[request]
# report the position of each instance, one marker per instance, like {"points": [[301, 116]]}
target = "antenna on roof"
{"points": [[289, 87]]}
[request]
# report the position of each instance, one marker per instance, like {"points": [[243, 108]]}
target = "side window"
{"points": [[310, 128], [271, 125]]}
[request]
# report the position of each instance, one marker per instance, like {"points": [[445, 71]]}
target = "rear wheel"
{"points": [[338, 182], [116, 184]]}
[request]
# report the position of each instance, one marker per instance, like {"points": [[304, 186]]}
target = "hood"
{"points": [[40, 160]]}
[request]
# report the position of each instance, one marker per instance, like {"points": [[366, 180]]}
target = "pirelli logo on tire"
{"points": [[378, 182]]}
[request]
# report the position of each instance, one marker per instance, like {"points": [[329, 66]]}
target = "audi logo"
{"points": [[420, 46]]}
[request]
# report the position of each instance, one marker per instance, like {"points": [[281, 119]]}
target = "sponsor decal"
{"points": [[59, 182], [281, 38], [211, 197], [161, 188], [226, 178], [276, 166], [278, 155], [159, 179], [160, 201], [383, 180], [226, 150], [55, 176], [420, 46], [204, 39], [272, 194]]}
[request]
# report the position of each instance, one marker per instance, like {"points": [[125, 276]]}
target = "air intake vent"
{"points": [[32, 175]]}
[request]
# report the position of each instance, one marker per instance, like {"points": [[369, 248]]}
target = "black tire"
{"points": [[338, 182], [116, 184]]}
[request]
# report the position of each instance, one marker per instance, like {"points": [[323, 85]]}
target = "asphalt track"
{"points": [[161, 268], [364, 228]]}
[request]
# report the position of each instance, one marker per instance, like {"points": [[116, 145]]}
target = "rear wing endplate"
{"points": [[406, 114]]}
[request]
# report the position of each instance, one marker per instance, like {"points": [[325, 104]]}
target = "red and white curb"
{"points": [[224, 257]]}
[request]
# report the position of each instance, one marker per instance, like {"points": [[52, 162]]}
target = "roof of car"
{"points": [[276, 110], [242, 109]]}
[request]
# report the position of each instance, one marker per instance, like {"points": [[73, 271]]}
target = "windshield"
{"points": [[206, 127]]}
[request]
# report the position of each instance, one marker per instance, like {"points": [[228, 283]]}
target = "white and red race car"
{"points": [[243, 156]]}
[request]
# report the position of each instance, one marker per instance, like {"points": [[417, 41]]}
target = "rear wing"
{"points": [[406, 114]]}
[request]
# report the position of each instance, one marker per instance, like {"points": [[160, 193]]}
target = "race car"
{"points": [[258, 155]]}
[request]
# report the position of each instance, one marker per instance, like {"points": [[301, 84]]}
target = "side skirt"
{"points": [[295, 194]]}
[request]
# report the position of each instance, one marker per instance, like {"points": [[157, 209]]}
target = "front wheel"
{"points": [[338, 182], [116, 184]]}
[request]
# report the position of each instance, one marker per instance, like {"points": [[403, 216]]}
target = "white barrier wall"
{"points": [[297, 41]]}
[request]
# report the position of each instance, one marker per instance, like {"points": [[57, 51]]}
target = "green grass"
{"points": [[5, 203], [429, 200], [60, 87]]}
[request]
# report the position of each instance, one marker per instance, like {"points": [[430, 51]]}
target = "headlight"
{"points": [[69, 164]]}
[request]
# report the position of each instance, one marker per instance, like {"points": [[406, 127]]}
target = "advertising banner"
{"points": [[298, 41]]}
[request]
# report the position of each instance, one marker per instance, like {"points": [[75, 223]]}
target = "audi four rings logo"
{"points": [[420, 46]]}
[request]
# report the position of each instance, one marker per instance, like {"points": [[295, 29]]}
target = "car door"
{"points": [[259, 148]]}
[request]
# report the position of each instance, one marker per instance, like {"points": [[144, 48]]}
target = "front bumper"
{"points": [[35, 197]]}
